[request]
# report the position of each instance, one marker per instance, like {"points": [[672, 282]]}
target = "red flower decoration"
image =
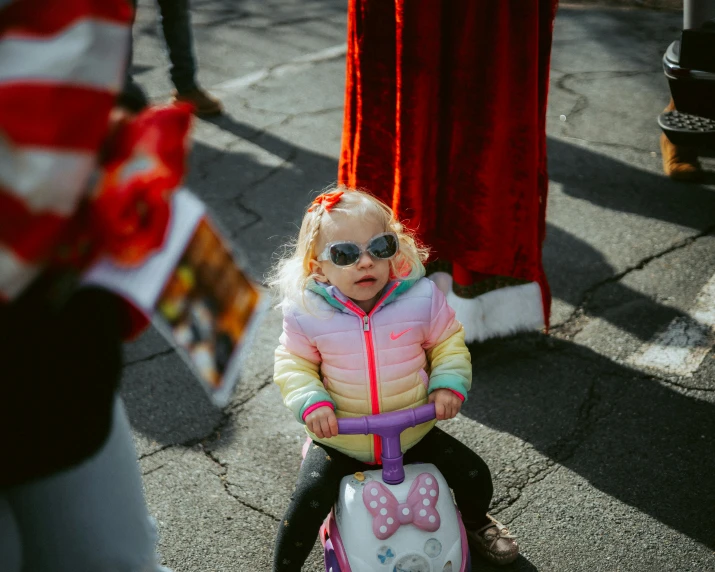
{"points": [[130, 213], [327, 200]]}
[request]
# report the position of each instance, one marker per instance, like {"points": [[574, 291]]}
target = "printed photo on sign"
{"points": [[207, 306]]}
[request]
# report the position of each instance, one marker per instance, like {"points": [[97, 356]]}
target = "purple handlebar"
{"points": [[389, 426]]}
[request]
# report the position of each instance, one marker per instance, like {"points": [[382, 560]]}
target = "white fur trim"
{"points": [[498, 313]]}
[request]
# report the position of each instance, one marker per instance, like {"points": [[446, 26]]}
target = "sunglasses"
{"points": [[346, 253]]}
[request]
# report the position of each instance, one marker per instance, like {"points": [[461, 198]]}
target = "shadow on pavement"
{"points": [[618, 186], [303, 158], [631, 437], [574, 267]]}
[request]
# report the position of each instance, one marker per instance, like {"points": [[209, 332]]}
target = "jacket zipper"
{"points": [[372, 368]]}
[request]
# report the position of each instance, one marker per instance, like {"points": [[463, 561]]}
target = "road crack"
{"points": [[590, 413], [237, 405], [674, 383], [582, 101], [578, 319], [223, 477], [607, 144], [152, 453], [150, 471], [150, 358], [515, 486]]}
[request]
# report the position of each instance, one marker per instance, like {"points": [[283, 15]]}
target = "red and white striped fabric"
{"points": [[61, 67]]}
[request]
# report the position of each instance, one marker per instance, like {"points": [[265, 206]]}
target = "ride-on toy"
{"points": [[397, 519]]}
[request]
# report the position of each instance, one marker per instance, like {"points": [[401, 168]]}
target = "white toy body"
{"points": [[409, 548]]}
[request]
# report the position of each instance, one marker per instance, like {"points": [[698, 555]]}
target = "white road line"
{"points": [[326, 54], [681, 348], [241, 82], [296, 65]]}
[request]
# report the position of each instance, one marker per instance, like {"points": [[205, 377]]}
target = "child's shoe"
{"points": [[494, 542]]}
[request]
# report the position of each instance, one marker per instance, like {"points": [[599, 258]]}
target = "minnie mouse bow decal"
{"points": [[388, 514]]}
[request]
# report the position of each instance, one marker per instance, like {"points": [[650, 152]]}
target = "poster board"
{"points": [[196, 292]]}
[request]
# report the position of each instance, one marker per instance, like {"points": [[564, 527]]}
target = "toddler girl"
{"points": [[364, 333]]}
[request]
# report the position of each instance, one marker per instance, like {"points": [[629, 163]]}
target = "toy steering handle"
{"points": [[389, 426]]}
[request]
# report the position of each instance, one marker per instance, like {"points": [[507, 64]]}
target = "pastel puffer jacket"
{"points": [[360, 364]]}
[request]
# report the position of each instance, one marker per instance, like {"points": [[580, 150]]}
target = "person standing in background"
{"points": [[445, 121], [176, 27]]}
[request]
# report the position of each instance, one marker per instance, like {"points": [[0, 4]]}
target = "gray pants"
{"points": [[176, 26], [91, 518]]}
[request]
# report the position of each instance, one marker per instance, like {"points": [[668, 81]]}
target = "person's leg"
{"points": [[465, 471], [680, 163], [131, 96], [91, 517], [176, 25], [315, 494], [470, 479], [10, 544]]}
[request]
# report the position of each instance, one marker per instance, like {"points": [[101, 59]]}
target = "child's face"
{"points": [[364, 281]]}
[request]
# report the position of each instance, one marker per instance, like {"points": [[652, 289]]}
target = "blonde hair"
{"points": [[292, 274]]}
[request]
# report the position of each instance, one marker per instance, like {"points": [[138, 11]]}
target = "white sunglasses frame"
{"points": [[325, 255]]}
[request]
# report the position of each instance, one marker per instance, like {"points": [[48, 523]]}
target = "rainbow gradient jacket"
{"points": [[333, 353]]}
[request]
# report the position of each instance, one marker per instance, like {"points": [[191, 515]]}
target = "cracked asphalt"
{"points": [[598, 464]]}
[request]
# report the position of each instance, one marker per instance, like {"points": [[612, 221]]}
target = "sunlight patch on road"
{"points": [[681, 348]]}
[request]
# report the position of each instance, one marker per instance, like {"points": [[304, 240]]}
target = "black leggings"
{"points": [[319, 479]]}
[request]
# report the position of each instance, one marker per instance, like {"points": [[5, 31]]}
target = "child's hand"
{"points": [[322, 422], [447, 404]]}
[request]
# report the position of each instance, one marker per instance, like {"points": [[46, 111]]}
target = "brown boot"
{"points": [[204, 103], [679, 163]]}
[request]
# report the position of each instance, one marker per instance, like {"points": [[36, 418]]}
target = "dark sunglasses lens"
{"points": [[383, 246], [344, 254]]}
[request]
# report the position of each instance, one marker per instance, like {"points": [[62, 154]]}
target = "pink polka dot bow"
{"points": [[388, 514]]}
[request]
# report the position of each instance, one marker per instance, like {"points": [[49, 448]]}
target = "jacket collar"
{"points": [[333, 296]]}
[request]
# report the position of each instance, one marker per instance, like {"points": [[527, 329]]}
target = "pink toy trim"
{"points": [[306, 445], [323, 534], [338, 545], [321, 404], [465, 543]]}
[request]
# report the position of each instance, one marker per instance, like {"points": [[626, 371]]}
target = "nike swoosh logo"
{"points": [[394, 336]]}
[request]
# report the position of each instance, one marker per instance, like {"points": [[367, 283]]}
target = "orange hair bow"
{"points": [[327, 200]]}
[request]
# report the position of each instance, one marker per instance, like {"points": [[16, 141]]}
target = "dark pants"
{"points": [[318, 484], [61, 364], [176, 26]]}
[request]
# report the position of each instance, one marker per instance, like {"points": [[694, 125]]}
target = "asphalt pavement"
{"points": [[601, 449]]}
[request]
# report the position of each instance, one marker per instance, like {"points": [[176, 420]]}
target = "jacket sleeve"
{"points": [[448, 356], [296, 370]]}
